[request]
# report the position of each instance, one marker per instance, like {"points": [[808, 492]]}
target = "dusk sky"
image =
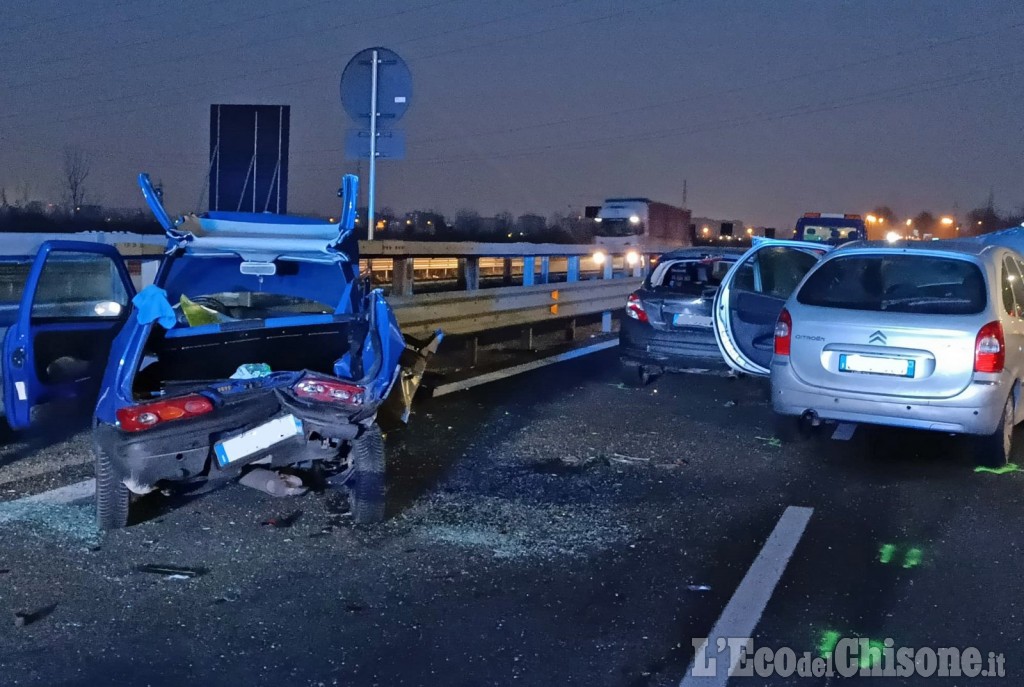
{"points": [[768, 109]]}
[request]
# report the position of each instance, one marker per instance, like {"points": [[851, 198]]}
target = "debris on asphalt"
{"points": [[174, 572], [513, 528], [620, 458], [770, 441], [730, 404], [230, 596], [23, 618], [673, 464], [72, 521], [273, 483], [698, 587], [283, 520], [565, 465], [1009, 467]]}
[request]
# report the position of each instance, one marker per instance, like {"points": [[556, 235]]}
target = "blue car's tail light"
{"points": [[329, 391], [148, 415]]}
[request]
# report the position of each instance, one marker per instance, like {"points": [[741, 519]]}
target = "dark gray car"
{"points": [[668, 322]]}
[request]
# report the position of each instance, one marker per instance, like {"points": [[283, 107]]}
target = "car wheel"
{"points": [[112, 497], [793, 429], [636, 375], [996, 450], [366, 486]]}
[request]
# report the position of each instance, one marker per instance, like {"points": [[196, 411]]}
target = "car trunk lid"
{"points": [[890, 322], [895, 354]]}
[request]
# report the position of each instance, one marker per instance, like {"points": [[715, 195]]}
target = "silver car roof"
{"points": [[963, 246]]}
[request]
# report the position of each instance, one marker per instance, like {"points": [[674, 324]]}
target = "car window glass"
{"points": [[689, 276], [1008, 288], [1017, 282], [13, 276], [79, 285], [781, 269], [897, 283], [744, 280]]}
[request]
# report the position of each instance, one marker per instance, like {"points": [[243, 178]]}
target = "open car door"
{"points": [[76, 298], [751, 297]]}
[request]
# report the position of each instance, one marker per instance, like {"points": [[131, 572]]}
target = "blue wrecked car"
{"points": [[257, 345]]}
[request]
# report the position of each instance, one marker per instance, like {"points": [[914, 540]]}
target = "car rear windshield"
{"points": [[689, 276], [897, 283]]}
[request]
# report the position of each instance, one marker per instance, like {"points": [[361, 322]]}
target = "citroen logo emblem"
{"points": [[878, 337]]}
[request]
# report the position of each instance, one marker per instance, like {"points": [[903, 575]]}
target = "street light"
{"points": [[947, 221], [910, 222]]}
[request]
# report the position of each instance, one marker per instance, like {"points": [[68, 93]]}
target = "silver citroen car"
{"points": [[918, 335]]}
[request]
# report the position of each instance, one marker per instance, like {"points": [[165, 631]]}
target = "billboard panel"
{"points": [[249, 158]]}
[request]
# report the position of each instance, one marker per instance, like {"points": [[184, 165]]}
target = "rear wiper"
{"points": [[924, 300]]}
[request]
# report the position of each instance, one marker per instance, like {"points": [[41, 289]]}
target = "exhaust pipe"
{"points": [[811, 418]]}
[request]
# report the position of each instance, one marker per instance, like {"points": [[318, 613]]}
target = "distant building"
{"points": [[423, 223]]}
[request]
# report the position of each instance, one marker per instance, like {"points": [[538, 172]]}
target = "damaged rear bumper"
{"points": [[184, 451]]}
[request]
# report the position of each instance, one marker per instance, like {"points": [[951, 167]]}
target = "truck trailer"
{"points": [[641, 226]]}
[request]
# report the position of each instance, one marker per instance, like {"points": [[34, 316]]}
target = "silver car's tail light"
{"points": [[783, 333], [990, 348]]}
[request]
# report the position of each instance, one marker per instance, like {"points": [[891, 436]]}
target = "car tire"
{"points": [[636, 375], [792, 429], [366, 487], [112, 497], [996, 450]]}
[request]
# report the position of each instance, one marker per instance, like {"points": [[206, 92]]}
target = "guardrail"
{"points": [[465, 312], [583, 286], [535, 263]]}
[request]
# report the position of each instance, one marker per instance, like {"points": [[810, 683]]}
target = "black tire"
{"points": [[996, 450], [636, 375], [112, 497], [366, 487], [791, 429]]}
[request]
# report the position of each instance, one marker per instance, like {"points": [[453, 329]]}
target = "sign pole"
{"points": [[373, 147]]}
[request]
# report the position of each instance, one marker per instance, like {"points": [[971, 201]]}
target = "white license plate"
{"points": [[898, 367], [688, 320], [257, 439]]}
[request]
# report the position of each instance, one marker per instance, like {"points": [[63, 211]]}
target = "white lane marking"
{"points": [[45, 469], [443, 389], [742, 613], [62, 496]]}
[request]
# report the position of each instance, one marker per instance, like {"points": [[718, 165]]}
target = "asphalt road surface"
{"points": [[551, 529]]}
